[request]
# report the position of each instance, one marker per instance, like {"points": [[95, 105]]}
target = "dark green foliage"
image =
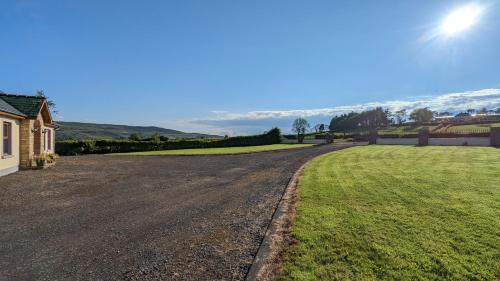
{"points": [[136, 137], [422, 115], [73, 147], [366, 119]]}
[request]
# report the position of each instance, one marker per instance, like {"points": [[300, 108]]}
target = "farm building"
{"points": [[27, 131]]}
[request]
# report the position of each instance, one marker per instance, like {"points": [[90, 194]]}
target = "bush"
{"points": [[76, 147]]}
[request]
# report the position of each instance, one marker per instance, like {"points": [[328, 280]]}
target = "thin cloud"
{"points": [[258, 121]]}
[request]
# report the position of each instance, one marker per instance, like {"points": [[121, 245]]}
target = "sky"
{"points": [[242, 67]]}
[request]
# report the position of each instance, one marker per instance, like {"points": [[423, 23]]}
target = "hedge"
{"points": [[77, 147]]}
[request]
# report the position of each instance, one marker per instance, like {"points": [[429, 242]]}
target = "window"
{"points": [[49, 139], [7, 138]]}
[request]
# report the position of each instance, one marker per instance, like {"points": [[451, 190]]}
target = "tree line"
{"points": [[379, 117]]}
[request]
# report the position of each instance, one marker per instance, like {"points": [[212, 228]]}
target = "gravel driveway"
{"points": [[104, 217]]}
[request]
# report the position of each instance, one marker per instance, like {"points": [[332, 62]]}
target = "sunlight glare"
{"points": [[460, 20]]}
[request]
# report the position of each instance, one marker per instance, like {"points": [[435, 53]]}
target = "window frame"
{"points": [[7, 138], [49, 139]]}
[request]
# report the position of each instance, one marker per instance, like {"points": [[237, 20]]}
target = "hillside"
{"points": [[77, 130]]}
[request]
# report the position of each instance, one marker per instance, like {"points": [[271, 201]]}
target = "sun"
{"points": [[460, 20]]}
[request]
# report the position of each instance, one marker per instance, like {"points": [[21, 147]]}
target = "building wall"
{"points": [[27, 143], [33, 136], [10, 164]]}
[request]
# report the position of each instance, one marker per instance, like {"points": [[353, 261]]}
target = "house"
{"points": [[26, 129]]}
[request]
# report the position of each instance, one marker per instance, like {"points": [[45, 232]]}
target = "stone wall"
{"points": [[26, 143]]}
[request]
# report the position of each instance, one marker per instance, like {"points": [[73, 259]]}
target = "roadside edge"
{"points": [[268, 259]]}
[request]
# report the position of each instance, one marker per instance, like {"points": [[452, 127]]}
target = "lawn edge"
{"points": [[225, 154], [268, 260]]}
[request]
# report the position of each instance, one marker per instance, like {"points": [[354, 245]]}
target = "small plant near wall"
{"points": [[45, 160]]}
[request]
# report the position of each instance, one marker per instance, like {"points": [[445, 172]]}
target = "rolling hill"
{"points": [[77, 130]]}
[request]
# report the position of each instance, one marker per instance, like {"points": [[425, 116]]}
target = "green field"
{"points": [[222, 150], [472, 128], [403, 129], [398, 213]]}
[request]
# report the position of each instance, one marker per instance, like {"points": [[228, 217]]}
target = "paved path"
{"points": [[104, 217]]}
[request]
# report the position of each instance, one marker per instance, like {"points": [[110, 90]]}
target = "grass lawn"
{"points": [[403, 129], [222, 150], [398, 213]]}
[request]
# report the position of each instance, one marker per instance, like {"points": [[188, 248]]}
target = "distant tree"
{"points": [[50, 103], [471, 111], [156, 137], [367, 119], [497, 111], [445, 113], [300, 126], [319, 128], [422, 115], [483, 110], [400, 116], [136, 137], [462, 114]]}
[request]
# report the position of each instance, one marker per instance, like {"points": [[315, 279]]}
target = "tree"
{"points": [[367, 119], [483, 110], [445, 113], [300, 126], [422, 115], [156, 137], [471, 111], [319, 128], [50, 103], [400, 116], [497, 111]]}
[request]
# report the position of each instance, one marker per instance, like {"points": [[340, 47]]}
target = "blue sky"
{"points": [[223, 66]]}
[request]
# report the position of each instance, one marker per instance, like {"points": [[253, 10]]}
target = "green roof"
{"points": [[29, 106], [5, 107]]}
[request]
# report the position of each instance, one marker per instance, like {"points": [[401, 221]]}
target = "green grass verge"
{"points": [[398, 213], [222, 150]]}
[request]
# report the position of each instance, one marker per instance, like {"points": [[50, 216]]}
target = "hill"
{"points": [[77, 130]]}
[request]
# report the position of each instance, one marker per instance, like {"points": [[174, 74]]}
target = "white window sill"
{"points": [[7, 156]]}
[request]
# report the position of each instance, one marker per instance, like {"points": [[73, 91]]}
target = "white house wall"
{"points": [[9, 163]]}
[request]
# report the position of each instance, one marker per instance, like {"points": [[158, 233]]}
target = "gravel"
{"points": [[102, 217]]}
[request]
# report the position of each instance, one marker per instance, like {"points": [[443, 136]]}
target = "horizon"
{"points": [[243, 68]]}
